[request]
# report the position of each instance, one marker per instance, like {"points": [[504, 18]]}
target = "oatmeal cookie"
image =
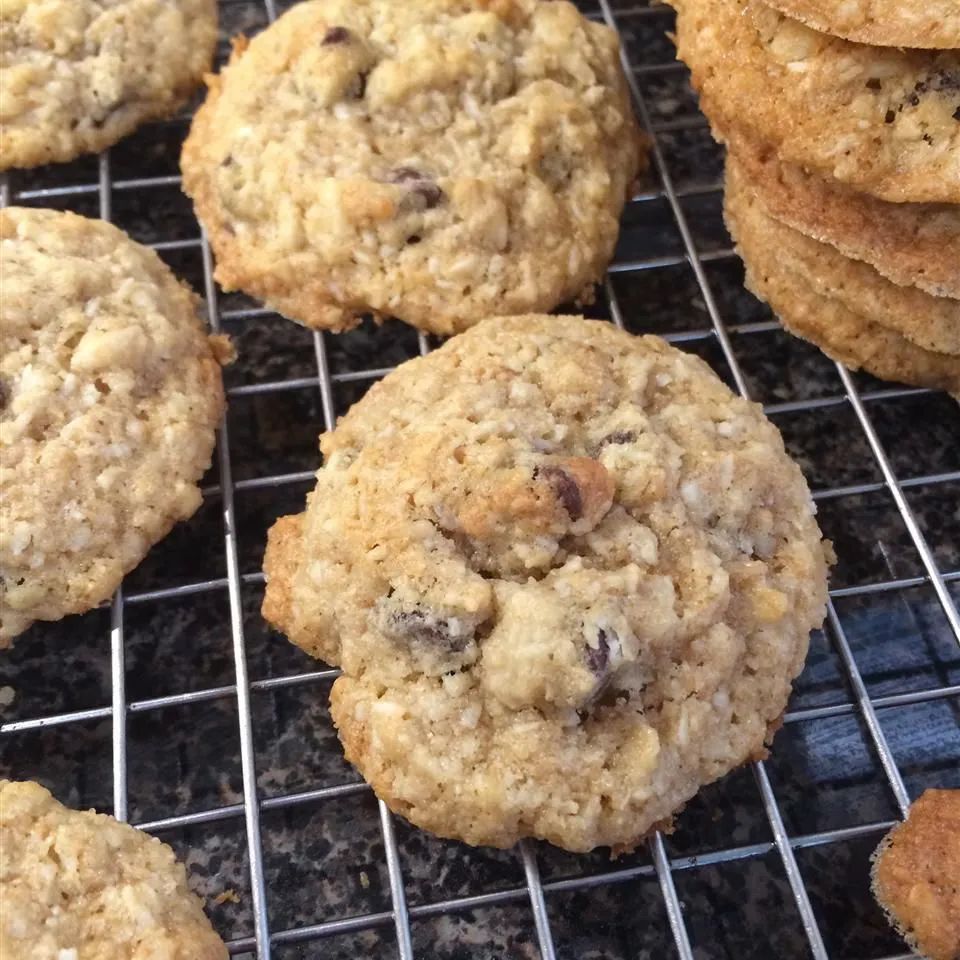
{"points": [[912, 244], [78, 75], [81, 886], [841, 329], [110, 393], [885, 23], [916, 875], [881, 119], [568, 575], [932, 323], [438, 161]]}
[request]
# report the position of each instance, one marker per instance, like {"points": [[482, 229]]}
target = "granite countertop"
{"points": [[324, 858]]}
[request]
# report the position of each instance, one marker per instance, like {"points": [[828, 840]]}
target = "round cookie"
{"points": [[932, 323], [568, 576], [885, 23], [438, 161], [110, 391], [81, 886], [78, 75], [912, 244], [844, 334], [915, 871], [879, 119]]}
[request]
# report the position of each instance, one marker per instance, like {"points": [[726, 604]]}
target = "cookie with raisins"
{"points": [[883, 120], [567, 574], [438, 162]]}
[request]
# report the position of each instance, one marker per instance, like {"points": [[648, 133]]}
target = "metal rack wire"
{"points": [[663, 867]]}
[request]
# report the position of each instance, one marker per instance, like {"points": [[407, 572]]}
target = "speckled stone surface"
{"points": [[324, 858]]}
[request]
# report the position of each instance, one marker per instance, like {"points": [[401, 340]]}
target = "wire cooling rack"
{"points": [[177, 710]]}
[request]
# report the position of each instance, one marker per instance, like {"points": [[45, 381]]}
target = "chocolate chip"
{"points": [[598, 658], [618, 437], [423, 628], [890, 116], [335, 36], [565, 488], [873, 84], [4, 394], [956, 114], [418, 183], [943, 81]]}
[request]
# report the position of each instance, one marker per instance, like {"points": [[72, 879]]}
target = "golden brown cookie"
{"points": [[916, 875], [568, 575], [880, 119], [912, 244], [110, 393], [932, 323], [77, 75], [885, 23], [438, 161], [847, 335], [78, 885]]}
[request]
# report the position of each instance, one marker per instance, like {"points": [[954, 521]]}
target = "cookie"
{"points": [[439, 161], [110, 392], [915, 875], [848, 335], [78, 75], [885, 23], [81, 886], [912, 244], [568, 576], [932, 323], [882, 120]]}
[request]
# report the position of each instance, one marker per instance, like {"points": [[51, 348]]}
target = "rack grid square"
{"points": [[177, 709]]}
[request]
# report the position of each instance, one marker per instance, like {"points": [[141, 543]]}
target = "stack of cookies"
{"points": [[842, 123]]}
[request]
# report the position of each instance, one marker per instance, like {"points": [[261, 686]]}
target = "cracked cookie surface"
{"points": [[568, 576], [78, 75], [893, 23], [438, 161], [111, 390], [916, 875], [881, 119], [78, 885]]}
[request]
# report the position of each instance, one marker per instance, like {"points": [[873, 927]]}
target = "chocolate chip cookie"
{"points": [[781, 268], [568, 576], [915, 875], [77, 75], [438, 162], [883, 120], [111, 391], [912, 244], [886, 23], [81, 886]]}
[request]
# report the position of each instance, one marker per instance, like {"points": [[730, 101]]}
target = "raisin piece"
{"points": [[564, 487], [618, 437], [336, 36], [418, 626], [598, 658], [419, 183]]}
